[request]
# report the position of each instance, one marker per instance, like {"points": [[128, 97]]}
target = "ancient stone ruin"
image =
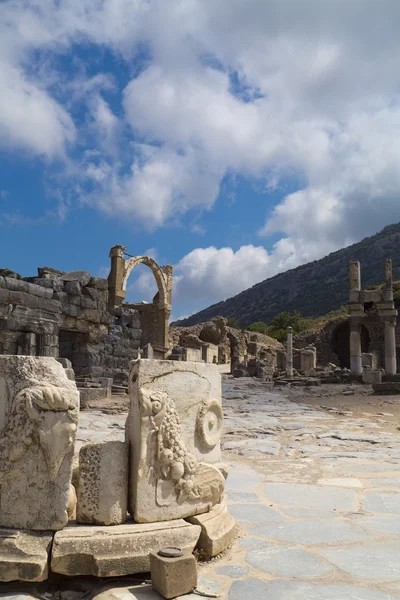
{"points": [[168, 474], [366, 344]]}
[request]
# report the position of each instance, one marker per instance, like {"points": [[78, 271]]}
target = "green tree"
{"points": [[233, 323], [259, 327], [277, 328]]}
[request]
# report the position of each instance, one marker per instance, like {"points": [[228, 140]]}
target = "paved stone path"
{"points": [[316, 495]]}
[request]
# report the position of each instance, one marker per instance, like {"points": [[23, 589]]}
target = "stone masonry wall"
{"points": [[65, 314]]}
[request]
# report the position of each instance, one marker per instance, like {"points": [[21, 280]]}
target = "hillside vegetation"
{"points": [[314, 289]]}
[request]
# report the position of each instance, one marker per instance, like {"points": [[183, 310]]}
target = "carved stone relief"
{"points": [[174, 428], [38, 421]]}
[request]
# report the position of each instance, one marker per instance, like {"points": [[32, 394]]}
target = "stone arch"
{"points": [[340, 342], [131, 263]]}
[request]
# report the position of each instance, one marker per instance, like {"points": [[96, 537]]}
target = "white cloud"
{"points": [[300, 89], [208, 275]]}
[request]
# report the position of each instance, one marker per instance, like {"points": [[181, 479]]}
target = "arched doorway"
{"points": [[341, 343], [153, 317]]}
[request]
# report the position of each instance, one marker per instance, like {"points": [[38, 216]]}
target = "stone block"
{"points": [[369, 377], [39, 409], [102, 494], [73, 288], [82, 277], [174, 429], [387, 387], [119, 550], [173, 576], [98, 283], [24, 555], [67, 364], [192, 354], [93, 394], [218, 530], [369, 359]]}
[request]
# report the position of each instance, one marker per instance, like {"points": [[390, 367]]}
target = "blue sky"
{"points": [[231, 139]]}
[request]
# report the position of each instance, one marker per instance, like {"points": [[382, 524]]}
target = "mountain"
{"points": [[313, 289]]}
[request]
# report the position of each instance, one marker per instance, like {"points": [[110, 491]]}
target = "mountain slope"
{"points": [[313, 289]]}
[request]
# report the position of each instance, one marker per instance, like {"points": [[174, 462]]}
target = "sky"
{"points": [[233, 139]]}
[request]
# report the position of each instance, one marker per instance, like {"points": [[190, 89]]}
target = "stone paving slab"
{"points": [[374, 562], [254, 589], [286, 561], [323, 531], [331, 527], [309, 496], [385, 525], [254, 513], [381, 503]]}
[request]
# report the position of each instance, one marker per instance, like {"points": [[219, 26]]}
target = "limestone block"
{"points": [[83, 277], [369, 377], [24, 555], [217, 530], [116, 551], [192, 354], [73, 288], [174, 429], [103, 483], [173, 576], [39, 409]]}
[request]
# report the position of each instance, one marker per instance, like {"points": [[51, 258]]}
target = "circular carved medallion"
{"points": [[209, 423]]}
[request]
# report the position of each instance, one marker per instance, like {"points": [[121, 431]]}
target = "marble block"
{"points": [[218, 529], [119, 550], [102, 494], [174, 430], [39, 409], [24, 555]]}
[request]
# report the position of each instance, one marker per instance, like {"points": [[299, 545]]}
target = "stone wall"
{"points": [[65, 315]]}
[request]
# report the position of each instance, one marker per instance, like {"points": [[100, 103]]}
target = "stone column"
{"points": [[388, 291], [355, 350], [390, 348], [116, 292], [289, 353], [355, 281]]}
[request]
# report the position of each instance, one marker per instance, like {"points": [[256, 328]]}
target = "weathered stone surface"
{"points": [[174, 429], [309, 496], [254, 589], [321, 531], [217, 530], [73, 288], [377, 561], [120, 550], [103, 483], [71, 510], [286, 561], [38, 421], [387, 387], [83, 277], [173, 576], [24, 555]]}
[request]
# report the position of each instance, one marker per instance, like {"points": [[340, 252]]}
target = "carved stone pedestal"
{"points": [[174, 429], [117, 550]]}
